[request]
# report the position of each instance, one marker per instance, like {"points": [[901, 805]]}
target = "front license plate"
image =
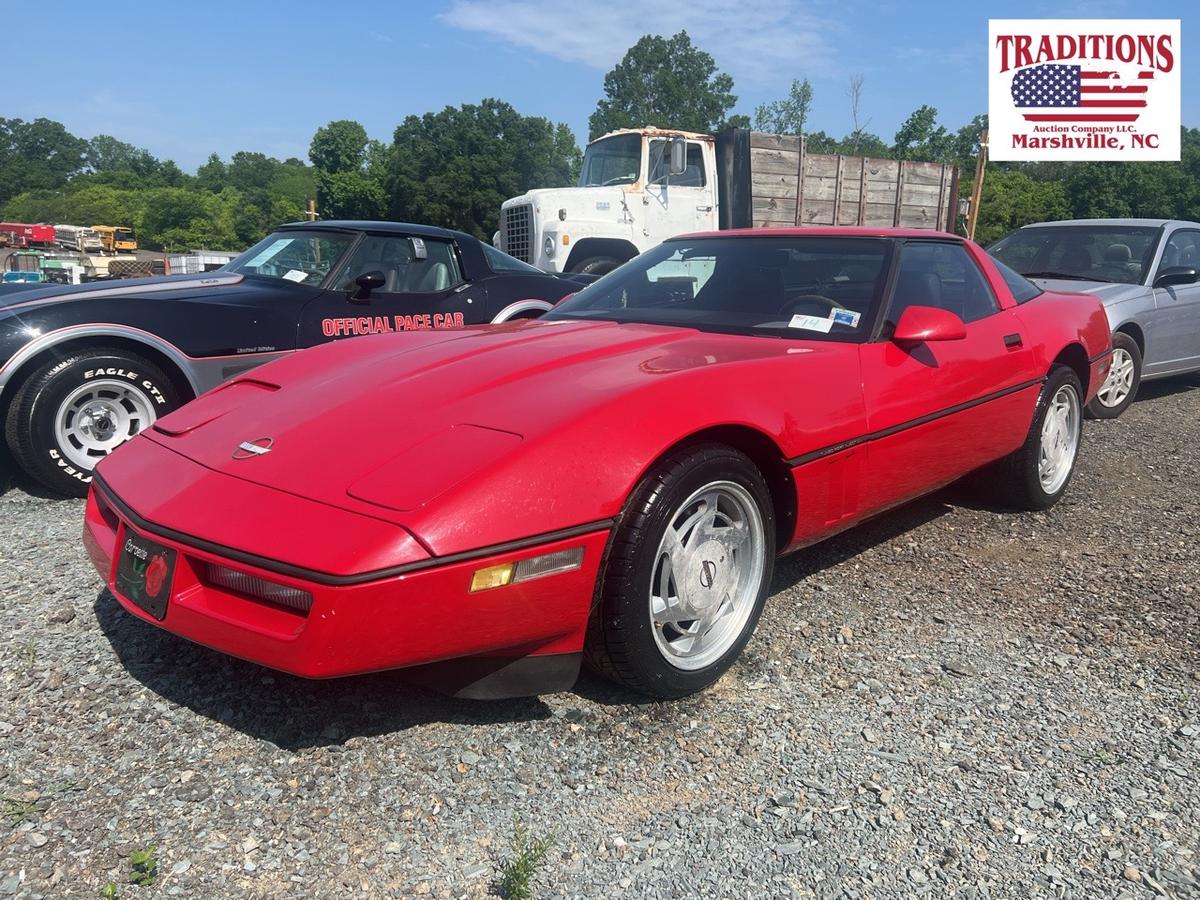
{"points": [[144, 573]]}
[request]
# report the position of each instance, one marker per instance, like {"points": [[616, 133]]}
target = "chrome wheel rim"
{"points": [[1119, 383], [1060, 439], [707, 575], [98, 417]]}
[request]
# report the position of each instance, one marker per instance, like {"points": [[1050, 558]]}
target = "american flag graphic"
{"points": [[1076, 94]]}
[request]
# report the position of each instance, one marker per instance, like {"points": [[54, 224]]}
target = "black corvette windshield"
{"points": [[1115, 253], [826, 288], [301, 257]]}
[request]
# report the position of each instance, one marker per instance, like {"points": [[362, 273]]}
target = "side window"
{"points": [[660, 159], [499, 261], [941, 275], [1021, 287], [1182, 249], [400, 260]]}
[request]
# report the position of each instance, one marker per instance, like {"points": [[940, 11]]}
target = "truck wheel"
{"points": [[72, 412], [597, 265]]}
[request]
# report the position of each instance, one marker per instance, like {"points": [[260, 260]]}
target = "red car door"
{"points": [[937, 410]]}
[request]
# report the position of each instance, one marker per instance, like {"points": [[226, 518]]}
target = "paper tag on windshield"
{"points": [[811, 323], [846, 317], [295, 275]]}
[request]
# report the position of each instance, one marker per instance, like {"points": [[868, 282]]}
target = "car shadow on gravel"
{"points": [[1167, 387], [292, 713], [296, 713]]}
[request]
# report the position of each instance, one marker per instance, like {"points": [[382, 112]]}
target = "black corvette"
{"points": [[83, 369]]}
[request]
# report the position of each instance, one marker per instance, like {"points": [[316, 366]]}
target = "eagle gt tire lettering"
{"points": [[72, 412]]}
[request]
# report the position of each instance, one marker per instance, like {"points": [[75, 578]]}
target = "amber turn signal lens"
{"points": [[491, 577]]}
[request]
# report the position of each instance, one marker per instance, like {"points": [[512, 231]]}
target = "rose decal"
{"points": [[156, 573]]}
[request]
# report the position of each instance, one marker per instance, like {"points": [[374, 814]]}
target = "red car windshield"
{"points": [[824, 288]]}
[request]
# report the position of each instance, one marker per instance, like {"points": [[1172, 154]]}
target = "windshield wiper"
{"points": [[1066, 276]]}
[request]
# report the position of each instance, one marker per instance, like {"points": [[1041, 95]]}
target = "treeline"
{"points": [[455, 167]]}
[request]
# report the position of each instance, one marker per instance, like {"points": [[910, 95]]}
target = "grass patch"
{"points": [[143, 865], [17, 811], [518, 873]]}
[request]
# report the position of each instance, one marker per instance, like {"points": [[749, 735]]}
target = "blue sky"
{"points": [[223, 76]]}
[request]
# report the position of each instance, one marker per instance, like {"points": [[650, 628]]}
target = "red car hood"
{"points": [[395, 420]]}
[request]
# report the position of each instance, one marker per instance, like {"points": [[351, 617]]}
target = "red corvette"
{"points": [[611, 482]]}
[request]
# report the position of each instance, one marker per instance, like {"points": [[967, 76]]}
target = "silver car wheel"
{"points": [[1119, 383], [1060, 439], [708, 572], [98, 417]]}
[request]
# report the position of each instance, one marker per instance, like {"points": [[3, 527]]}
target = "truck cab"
{"points": [[636, 188]]}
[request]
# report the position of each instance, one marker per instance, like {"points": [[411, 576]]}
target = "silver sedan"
{"points": [[1145, 273]]}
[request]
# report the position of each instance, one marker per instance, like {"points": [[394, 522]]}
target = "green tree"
{"points": [[212, 174], [786, 116], [920, 137], [350, 195], [1012, 199], [340, 146], [667, 82], [107, 154], [40, 154], [248, 170], [457, 166]]}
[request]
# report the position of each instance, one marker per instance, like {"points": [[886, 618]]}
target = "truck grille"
{"points": [[517, 232]]}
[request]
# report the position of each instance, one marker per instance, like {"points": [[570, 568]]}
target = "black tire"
{"points": [[30, 427], [597, 265], [621, 643], [1018, 483], [1097, 409]]}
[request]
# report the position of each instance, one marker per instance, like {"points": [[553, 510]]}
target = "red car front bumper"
{"points": [[426, 615]]}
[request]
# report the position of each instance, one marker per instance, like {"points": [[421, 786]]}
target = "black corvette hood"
{"points": [[213, 286]]}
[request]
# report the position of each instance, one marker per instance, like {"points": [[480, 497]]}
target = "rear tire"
{"points": [[686, 573], [598, 265], [1036, 476], [1124, 378], [73, 412]]}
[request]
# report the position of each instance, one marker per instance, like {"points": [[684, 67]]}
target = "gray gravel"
{"points": [[950, 700]]}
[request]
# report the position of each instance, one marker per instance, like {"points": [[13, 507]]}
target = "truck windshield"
{"points": [[814, 288], [301, 257], [614, 160], [1114, 253]]}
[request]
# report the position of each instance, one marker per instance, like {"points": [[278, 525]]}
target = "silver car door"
{"points": [[1177, 307]]}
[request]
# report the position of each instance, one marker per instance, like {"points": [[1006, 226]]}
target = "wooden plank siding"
{"points": [[790, 187]]}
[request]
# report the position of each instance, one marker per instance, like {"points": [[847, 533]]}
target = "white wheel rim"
{"points": [[98, 417], [1060, 439], [1119, 383], [707, 575]]}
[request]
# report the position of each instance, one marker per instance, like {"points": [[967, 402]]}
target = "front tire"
{"points": [[73, 412], [1036, 476], [686, 574], [1124, 378]]}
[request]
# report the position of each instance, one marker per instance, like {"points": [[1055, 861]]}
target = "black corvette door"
{"points": [[394, 282]]}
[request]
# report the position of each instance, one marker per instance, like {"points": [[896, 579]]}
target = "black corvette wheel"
{"points": [[686, 574], [73, 412]]}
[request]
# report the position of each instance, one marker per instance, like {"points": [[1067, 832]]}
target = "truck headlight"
{"points": [[550, 244]]}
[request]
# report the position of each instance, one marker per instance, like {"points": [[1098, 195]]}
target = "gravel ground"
{"points": [[948, 700]]}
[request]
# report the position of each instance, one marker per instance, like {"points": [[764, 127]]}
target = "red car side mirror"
{"points": [[922, 324]]}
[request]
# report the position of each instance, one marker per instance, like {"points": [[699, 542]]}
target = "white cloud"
{"points": [[758, 42]]}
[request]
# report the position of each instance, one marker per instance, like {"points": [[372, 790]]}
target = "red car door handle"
{"points": [[1012, 341]]}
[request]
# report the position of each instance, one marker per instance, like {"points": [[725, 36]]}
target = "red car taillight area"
{"points": [[256, 588]]}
